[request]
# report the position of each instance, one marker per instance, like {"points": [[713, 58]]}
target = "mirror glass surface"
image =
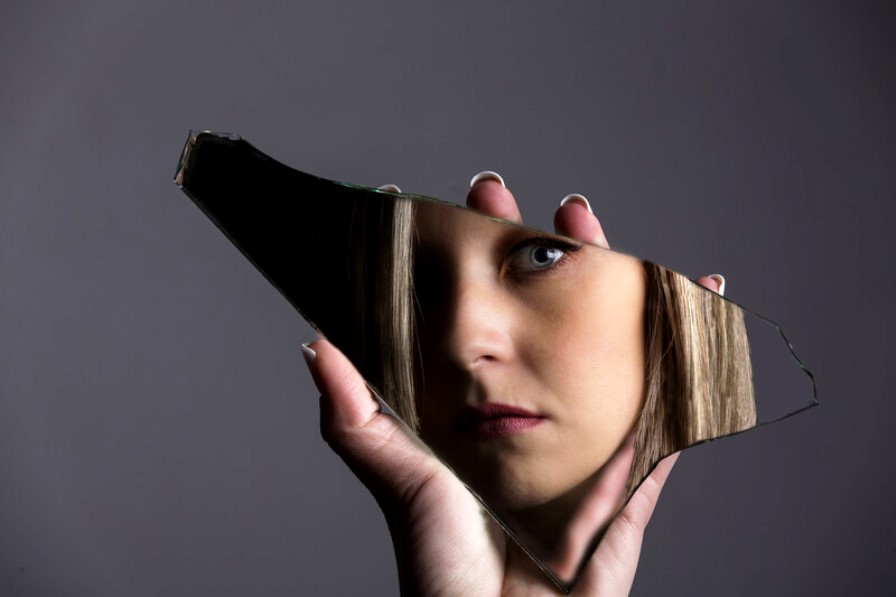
{"points": [[550, 375]]}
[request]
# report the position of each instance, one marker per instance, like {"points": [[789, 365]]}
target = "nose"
{"points": [[480, 325]]}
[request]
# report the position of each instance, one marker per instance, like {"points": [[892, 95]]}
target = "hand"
{"points": [[444, 542]]}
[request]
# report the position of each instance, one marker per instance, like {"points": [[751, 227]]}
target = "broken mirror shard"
{"points": [[550, 375]]}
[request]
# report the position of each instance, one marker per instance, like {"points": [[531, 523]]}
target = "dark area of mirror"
{"points": [[551, 376]]}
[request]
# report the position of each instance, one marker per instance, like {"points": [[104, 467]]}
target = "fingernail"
{"points": [[309, 354], [487, 175], [721, 280], [390, 188], [576, 198]]}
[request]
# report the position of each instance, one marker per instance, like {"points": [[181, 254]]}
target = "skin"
{"points": [[559, 332], [443, 543]]}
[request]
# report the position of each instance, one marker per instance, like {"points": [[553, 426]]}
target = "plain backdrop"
{"points": [[158, 429]]}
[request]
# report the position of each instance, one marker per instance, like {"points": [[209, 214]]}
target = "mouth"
{"points": [[492, 420]]}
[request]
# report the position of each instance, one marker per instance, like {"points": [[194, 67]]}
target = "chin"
{"points": [[522, 496]]}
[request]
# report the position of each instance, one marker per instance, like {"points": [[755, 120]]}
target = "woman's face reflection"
{"points": [[532, 354]]}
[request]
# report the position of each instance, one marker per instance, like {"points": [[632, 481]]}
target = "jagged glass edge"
{"points": [[183, 166]]}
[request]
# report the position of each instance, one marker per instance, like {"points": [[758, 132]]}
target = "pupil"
{"points": [[542, 255]]}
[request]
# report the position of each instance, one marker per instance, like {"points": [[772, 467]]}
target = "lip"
{"points": [[493, 420]]}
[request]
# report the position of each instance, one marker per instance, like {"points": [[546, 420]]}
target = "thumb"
{"points": [[613, 564], [379, 449]]}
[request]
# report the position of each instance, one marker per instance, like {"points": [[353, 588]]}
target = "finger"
{"points": [[575, 219], [613, 565], [715, 282], [641, 505], [489, 195], [610, 489], [596, 509], [374, 445], [339, 386]]}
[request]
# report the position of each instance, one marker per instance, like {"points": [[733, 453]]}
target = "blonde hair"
{"points": [[381, 337], [698, 378]]}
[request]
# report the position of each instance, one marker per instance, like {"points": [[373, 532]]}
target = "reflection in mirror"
{"points": [[553, 375], [550, 375]]}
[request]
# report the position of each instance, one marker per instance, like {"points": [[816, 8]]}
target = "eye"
{"points": [[537, 255]]}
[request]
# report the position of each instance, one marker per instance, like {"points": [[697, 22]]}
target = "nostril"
{"points": [[483, 359]]}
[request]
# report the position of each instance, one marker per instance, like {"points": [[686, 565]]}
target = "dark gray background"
{"points": [[158, 430]]}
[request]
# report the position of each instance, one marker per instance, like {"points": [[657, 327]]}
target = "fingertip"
{"points": [[489, 195], [347, 398], [661, 472], [309, 354], [720, 280], [487, 175], [714, 282], [665, 465], [575, 219], [577, 198]]}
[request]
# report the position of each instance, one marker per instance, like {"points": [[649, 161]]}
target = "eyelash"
{"points": [[566, 248]]}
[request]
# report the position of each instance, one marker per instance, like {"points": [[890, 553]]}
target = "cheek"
{"points": [[583, 337], [592, 358], [603, 382]]}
